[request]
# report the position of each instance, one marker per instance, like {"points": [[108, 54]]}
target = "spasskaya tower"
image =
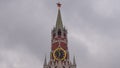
{"points": [[59, 55]]}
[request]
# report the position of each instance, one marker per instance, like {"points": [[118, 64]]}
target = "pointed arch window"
{"points": [[55, 66], [59, 32], [53, 35], [65, 34]]}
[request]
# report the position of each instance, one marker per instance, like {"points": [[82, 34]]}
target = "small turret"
{"points": [[74, 62], [45, 61]]}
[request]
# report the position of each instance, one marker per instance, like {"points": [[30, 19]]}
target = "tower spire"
{"points": [[59, 54], [59, 18]]}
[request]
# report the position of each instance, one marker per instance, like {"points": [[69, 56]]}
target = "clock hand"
{"points": [[59, 54]]}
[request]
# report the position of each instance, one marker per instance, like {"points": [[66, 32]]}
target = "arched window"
{"points": [[65, 34], [53, 35], [59, 32], [63, 66], [55, 66]]}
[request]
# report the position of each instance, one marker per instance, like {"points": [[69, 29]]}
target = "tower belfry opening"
{"points": [[59, 32], [59, 55]]}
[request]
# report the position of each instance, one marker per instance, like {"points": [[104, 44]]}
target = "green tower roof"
{"points": [[59, 18]]}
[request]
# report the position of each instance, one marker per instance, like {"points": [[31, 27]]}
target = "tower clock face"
{"points": [[59, 54]]}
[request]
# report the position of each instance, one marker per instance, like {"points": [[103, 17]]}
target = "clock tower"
{"points": [[59, 55]]}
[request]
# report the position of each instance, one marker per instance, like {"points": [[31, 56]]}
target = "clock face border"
{"points": [[55, 58]]}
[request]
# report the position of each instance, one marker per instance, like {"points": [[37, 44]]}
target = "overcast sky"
{"points": [[93, 32]]}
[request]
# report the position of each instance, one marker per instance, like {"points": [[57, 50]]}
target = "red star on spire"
{"points": [[59, 5]]}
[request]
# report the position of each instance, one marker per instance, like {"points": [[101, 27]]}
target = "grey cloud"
{"points": [[25, 31]]}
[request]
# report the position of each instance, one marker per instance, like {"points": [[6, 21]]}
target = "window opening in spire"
{"points": [[59, 32]]}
